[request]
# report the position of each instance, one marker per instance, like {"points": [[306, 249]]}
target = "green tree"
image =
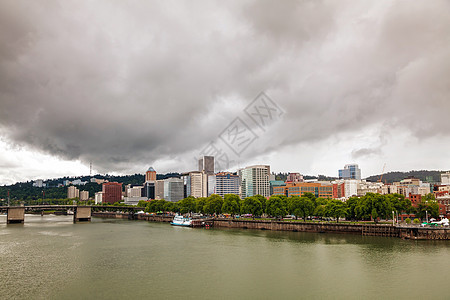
{"points": [[142, 203], [187, 205], [170, 207], [155, 206], [373, 206], [251, 205], [301, 206], [231, 204], [213, 204], [320, 211], [263, 201], [428, 205], [351, 205], [276, 207], [399, 203], [310, 196], [200, 203], [336, 209]]}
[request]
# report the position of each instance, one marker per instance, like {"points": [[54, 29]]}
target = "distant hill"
{"points": [[26, 191], [424, 175], [283, 176]]}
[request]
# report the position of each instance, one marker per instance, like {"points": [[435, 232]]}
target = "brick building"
{"points": [[112, 192]]}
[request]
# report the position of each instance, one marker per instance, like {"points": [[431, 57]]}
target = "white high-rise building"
{"points": [[351, 187], [196, 184], [84, 195], [445, 178], [159, 189], [134, 191], [98, 197], [254, 180], [39, 183], [226, 183], [73, 192]]}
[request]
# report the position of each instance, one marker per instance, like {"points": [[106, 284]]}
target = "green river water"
{"points": [[49, 257]]}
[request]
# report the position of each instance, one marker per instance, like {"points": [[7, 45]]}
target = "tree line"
{"points": [[369, 207]]}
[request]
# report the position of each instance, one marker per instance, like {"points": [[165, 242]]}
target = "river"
{"points": [[49, 257]]}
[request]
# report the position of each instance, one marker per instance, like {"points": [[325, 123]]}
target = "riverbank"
{"points": [[404, 232]]}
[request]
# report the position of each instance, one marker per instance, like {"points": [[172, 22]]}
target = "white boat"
{"points": [[181, 221]]}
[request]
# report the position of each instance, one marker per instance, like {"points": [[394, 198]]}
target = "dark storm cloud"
{"points": [[122, 83]]}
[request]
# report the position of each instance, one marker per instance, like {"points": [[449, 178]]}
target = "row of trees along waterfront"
{"points": [[370, 206]]}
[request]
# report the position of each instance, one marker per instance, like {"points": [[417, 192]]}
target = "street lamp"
{"points": [[426, 213], [393, 218]]}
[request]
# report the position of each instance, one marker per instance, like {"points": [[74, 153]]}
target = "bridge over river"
{"points": [[81, 213]]}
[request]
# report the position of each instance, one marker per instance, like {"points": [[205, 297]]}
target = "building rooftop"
{"points": [[151, 169]]}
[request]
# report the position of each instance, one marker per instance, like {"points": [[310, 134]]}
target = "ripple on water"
{"points": [[54, 233]]}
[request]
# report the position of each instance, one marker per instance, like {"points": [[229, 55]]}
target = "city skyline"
{"points": [[155, 83]]}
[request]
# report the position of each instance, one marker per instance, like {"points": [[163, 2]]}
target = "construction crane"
{"points": [[382, 173]]}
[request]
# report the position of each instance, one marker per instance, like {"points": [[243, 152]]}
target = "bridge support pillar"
{"points": [[15, 215], [82, 214]]}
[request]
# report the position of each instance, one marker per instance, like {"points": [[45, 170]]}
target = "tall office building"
{"points": [[112, 192], [149, 190], [196, 184], [133, 190], [173, 189], [206, 164], [186, 185], [212, 184], [350, 171], [73, 192], [159, 189], [84, 195], [150, 175], [254, 180], [226, 183]]}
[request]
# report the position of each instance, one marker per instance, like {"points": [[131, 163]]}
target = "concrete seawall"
{"points": [[288, 226], [438, 233]]}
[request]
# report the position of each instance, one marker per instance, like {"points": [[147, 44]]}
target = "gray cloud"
{"points": [[363, 152], [122, 84]]}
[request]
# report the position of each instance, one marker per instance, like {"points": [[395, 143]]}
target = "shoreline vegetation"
{"points": [[371, 207]]}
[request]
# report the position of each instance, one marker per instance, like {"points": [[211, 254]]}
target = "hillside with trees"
{"points": [[424, 175], [283, 176], [26, 192]]}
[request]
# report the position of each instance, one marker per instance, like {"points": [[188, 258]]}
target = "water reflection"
{"points": [[50, 257]]}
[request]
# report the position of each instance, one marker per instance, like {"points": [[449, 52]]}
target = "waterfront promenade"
{"points": [[84, 213], [404, 232]]}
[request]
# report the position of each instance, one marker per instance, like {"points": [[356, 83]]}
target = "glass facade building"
{"points": [[351, 171]]}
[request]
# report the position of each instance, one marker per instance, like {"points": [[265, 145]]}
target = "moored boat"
{"points": [[181, 221]]}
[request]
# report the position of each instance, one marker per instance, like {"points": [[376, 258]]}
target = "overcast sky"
{"points": [[132, 84]]}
